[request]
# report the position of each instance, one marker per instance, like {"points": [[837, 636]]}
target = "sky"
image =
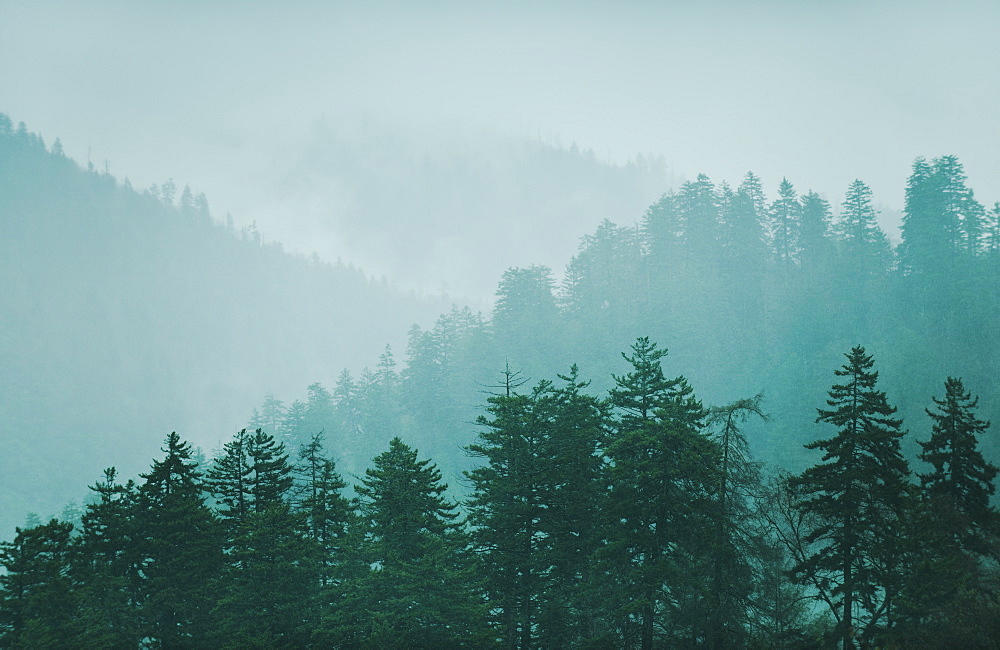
{"points": [[230, 97]]}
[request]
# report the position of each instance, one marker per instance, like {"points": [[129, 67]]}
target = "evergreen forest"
{"points": [[810, 466]]}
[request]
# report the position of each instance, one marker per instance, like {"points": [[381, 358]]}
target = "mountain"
{"points": [[128, 314]]}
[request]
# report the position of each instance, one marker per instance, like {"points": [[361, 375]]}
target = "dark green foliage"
{"points": [[180, 545], [268, 594], [270, 473], [573, 484], [38, 607], [419, 581], [643, 526], [106, 568], [269, 588], [734, 547], [587, 529], [535, 511], [858, 495], [506, 507], [319, 496], [663, 477], [954, 536], [229, 480], [961, 481]]}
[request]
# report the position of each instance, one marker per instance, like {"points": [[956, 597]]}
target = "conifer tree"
{"points": [[106, 566], [268, 592], [506, 508], [663, 472], [419, 584], [572, 485], [733, 547], [858, 494], [180, 542], [698, 205], [784, 215], [961, 481], [270, 472], [328, 513], [954, 534], [743, 222], [229, 480], [814, 230], [38, 603], [864, 243]]}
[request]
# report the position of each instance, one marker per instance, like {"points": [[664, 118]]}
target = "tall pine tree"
{"points": [[858, 495]]}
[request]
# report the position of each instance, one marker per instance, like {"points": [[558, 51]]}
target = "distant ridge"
{"points": [[126, 314]]}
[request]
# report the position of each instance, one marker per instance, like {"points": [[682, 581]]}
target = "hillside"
{"points": [[750, 294], [129, 314]]}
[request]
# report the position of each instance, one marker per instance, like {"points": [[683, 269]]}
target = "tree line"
{"points": [[637, 518], [753, 292]]}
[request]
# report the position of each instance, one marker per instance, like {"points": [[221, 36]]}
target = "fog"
{"points": [[235, 99], [561, 324]]}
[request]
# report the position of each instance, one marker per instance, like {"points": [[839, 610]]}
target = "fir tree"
{"points": [[961, 481], [419, 583], [107, 566], [506, 508], [180, 542], [784, 215], [858, 495], [954, 535], [38, 603], [662, 475]]}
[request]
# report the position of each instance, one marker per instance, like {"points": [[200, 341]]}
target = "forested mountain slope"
{"points": [[749, 293], [128, 314]]}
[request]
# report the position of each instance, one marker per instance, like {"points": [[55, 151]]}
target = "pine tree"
{"points": [[525, 316], [295, 423], [269, 590], [698, 205], [419, 584], [942, 220], [328, 513], [743, 225], [814, 230], [858, 232], [318, 414], [662, 475], [572, 487], [180, 541], [733, 546], [954, 536], [858, 495], [270, 476], [506, 507], [784, 215], [38, 602], [106, 567], [229, 480], [272, 414], [961, 481]]}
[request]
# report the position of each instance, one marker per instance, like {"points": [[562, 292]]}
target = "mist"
{"points": [[587, 280], [236, 103]]}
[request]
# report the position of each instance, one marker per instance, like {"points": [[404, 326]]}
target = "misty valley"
{"points": [[741, 418]]}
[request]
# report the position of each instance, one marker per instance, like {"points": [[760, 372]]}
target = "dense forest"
{"points": [[755, 499], [125, 309], [635, 519], [750, 295]]}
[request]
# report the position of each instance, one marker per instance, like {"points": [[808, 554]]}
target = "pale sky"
{"points": [[226, 96]]}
